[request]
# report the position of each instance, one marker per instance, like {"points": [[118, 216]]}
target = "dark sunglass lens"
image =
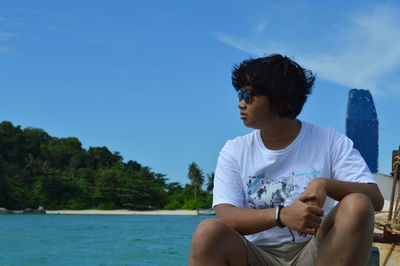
{"points": [[240, 95], [246, 96]]}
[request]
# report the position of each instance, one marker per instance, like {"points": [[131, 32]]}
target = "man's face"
{"points": [[256, 113]]}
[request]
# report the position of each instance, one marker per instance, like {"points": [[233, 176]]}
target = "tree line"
{"points": [[37, 169]]}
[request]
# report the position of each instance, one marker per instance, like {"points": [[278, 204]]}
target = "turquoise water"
{"points": [[96, 239]]}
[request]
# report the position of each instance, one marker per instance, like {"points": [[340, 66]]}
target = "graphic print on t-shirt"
{"points": [[264, 191]]}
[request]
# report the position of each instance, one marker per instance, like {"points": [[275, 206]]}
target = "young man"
{"points": [[275, 188]]}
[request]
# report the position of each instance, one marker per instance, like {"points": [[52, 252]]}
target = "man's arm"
{"points": [[245, 220], [337, 190], [299, 216]]}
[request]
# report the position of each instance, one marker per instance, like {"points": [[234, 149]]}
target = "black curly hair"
{"points": [[282, 80]]}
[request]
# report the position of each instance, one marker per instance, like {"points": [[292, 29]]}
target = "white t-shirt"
{"points": [[250, 175]]}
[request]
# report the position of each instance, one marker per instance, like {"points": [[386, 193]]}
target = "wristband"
{"points": [[277, 216]]}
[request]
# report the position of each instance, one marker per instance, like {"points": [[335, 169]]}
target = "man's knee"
{"points": [[208, 235], [357, 208]]}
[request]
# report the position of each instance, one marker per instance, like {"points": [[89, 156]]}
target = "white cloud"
{"points": [[5, 49], [255, 47], [54, 28], [14, 24], [241, 44], [260, 28], [4, 36], [66, 17], [369, 55], [364, 53], [26, 11]]}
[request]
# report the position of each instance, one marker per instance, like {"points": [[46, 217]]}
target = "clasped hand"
{"points": [[304, 215]]}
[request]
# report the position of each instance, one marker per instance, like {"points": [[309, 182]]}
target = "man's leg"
{"points": [[347, 232], [215, 243]]}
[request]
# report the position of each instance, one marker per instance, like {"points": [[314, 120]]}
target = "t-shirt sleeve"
{"points": [[228, 187], [348, 164]]}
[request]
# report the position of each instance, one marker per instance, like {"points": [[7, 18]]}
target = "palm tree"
{"points": [[210, 182], [195, 175]]}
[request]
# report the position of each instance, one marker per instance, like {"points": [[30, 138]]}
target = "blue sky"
{"points": [[151, 79]]}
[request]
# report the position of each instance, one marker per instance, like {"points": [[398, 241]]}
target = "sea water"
{"points": [[96, 239]]}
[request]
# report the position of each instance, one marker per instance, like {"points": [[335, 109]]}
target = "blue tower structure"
{"points": [[362, 126]]}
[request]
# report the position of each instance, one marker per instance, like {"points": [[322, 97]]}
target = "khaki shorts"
{"points": [[304, 253]]}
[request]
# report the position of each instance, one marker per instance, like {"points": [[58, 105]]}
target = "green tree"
{"points": [[58, 173], [175, 196], [35, 139], [108, 182], [101, 157], [201, 201], [143, 190], [12, 150], [133, 165], [54, 190], [195, 175]]}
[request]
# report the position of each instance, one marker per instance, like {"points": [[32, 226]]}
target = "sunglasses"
{"points": [[245, 95]]}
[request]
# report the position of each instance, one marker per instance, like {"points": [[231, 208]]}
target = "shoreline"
{"points": [[124, 212]]}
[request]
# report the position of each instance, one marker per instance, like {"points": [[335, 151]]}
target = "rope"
{"points": [[396, 160], [396, 217], [382, 224], [393, 226], [388, 255]]}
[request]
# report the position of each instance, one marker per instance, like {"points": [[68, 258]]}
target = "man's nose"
{"points": [[242, 104]]}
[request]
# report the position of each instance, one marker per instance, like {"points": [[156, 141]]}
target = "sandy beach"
{"points": [[124, 212]]}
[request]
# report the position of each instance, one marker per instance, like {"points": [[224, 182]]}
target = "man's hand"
{"points": [[316, 187], [302, 217]]}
